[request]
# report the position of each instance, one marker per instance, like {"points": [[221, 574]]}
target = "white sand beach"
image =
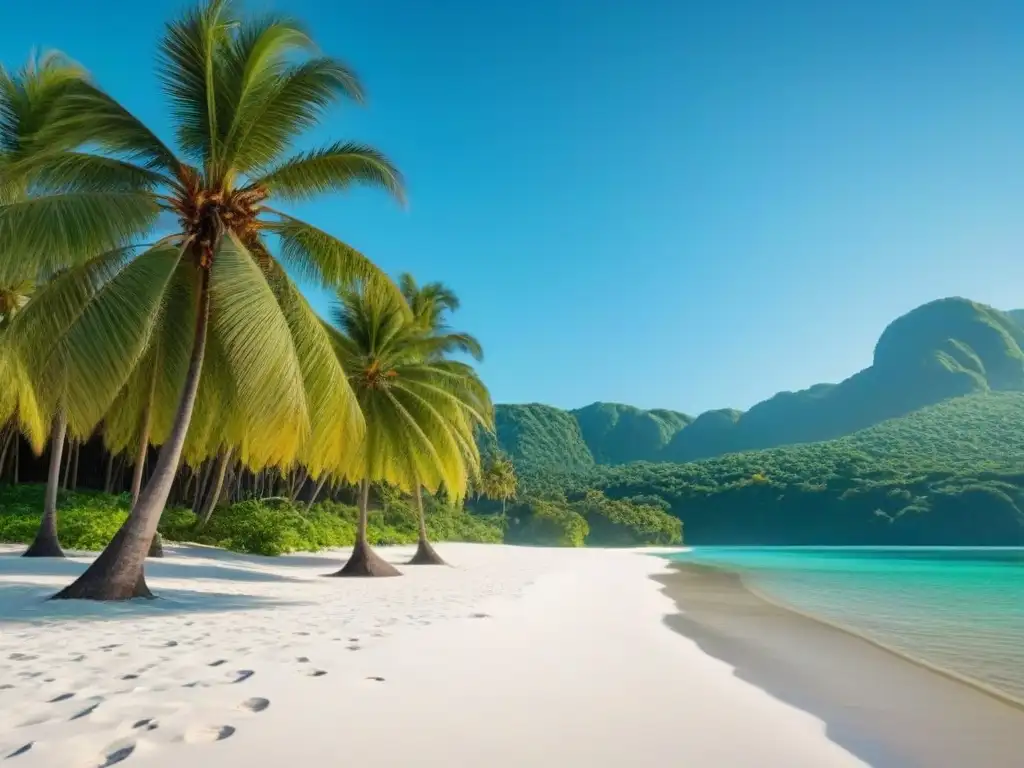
{"points": [[512, 657]]}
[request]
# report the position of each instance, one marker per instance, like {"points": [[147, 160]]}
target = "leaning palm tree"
{"points": [[227, 315], [430, 305], [421, 410]]}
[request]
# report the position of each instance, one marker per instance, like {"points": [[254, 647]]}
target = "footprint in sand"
{"points": [[303, 659], [242, 675], [255, 704], [315, 672], [116, 753], [20, 750], [218, 662], [376, 679], [22, 657], [87, 711], [147, 722], [204, 734], [62, 697], [353, 647]]}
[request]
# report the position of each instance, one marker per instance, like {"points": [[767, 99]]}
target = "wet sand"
{"points": [[883, 708]]}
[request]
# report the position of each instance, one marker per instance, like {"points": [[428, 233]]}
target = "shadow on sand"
{"points": [[329, 559], [26, 584]]}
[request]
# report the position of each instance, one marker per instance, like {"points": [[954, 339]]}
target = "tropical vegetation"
{"points": [[166, 316], [949, 474]]}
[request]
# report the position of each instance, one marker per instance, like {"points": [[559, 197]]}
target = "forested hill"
{"points": [[941, 350], [949, 474]]}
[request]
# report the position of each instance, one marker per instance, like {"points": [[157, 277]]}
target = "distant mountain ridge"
{"points": [[943, 349]]}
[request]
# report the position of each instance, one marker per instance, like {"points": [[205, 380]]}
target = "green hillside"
{"points": [[539, 438], [941, 350], [952, 474], [616, 433]]}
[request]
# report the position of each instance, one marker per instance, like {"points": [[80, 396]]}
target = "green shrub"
{"points": [[88, 520], [547, 523], [624, 523]]}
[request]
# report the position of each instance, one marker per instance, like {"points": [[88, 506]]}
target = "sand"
{"points": [[513, 657], [878, 705]]}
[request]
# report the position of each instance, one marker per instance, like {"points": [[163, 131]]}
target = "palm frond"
{"points": [[85, 352], [260, 355], [273, 98], [18, 399], [315, 256], [332, 169], [40, 235], [194, 76], [337, 425], [29, 99], [83, 172], [87, 115]]}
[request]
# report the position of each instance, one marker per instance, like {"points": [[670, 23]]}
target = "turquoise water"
{"points": [[960, 609]]}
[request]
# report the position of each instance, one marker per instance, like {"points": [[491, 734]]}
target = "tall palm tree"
{"points": [[421, 410], [227, 316], [29, 100], [430, 305]]}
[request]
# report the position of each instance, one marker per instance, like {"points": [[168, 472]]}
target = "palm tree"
{"points": [[421, 410], [430, 305], [226, 316], [29, 98], [498, 479]]}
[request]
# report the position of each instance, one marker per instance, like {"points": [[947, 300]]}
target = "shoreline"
{"points": [[989, 690], [883, 706]]}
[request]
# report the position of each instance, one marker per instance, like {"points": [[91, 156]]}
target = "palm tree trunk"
{"points": [[8, 436], [202, 480], [140, 455], [108, 477], [46, 543], [298, 484], [425, 554], [214, 496], [364, 561], [316, 490], [74, 466], [67, 464], [118, 573]]}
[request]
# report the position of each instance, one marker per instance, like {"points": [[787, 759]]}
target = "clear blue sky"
{"points": [[668, 203]]}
